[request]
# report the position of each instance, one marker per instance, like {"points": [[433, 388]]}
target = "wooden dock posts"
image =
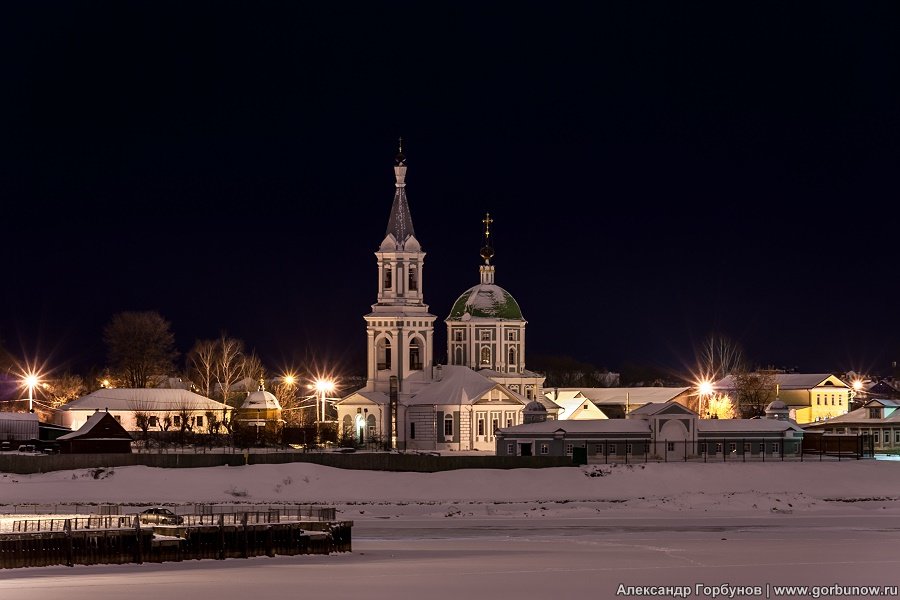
{"points": [[136, 544]]}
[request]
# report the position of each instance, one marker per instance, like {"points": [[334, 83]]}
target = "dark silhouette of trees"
{"points": [[139, 346]]}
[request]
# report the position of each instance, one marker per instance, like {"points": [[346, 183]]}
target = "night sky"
{"points": [[657, 172]]}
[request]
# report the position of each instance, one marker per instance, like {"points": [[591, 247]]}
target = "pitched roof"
{"points": [[582, 426], [786, 381], [100, 425], [748, 425], [628, 395], [458, 385], [144, 399]]}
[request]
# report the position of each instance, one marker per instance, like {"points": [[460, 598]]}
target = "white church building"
{"points": [[408, 401]]}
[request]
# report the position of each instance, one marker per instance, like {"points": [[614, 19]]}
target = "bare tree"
{"points": [[719, 356], [63, 390], [752, 391], [202, 363], [140, 345], [229, 364], [253, 367]]}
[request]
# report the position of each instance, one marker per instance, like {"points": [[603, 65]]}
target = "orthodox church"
{"points": [[410, 402]]}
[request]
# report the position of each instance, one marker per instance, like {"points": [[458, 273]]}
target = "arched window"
{"points": [[383, 352], [448, 425], [370, 426], [459, 356], [415, 356], [388, 277], [512, 359], [413, 279], [485, 356]]}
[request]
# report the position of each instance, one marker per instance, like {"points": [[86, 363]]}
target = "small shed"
{"points": [[101, 433], [18, 426]]}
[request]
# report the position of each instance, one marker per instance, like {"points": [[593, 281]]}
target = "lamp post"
{"points": [[323, 387], [31, 382], [704, 390]]}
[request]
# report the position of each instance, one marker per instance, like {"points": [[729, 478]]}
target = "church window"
{"points": [[413, 279], [486, 335], [459, 357], [486, 355], [384, 354], [388, 277], [415, 358], [370, 425], [448, 425], [512, 359], [512, 335], [458, 335]]}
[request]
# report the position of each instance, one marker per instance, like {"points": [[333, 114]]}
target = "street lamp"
{"points": [[704, 390], [323, 387], [31, 381]]}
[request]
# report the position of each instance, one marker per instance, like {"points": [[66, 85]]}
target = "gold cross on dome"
{"points": [[487, 220]]}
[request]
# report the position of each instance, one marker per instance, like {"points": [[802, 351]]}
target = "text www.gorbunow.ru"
{"points": [[725, 590]]}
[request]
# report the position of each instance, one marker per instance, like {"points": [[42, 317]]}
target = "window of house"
{"points": [[818, 399], [486, 355], [510, 449], [495, 425], [775, 447], [176, 420], [746, 446], [732, 447], [628, 449], [545, 449], [415, 360], [598, 448], [670, 446], [512, 358], [413, 280], [509, 422], [611, 449], [876, 435], [874, 413], [199, 421], [459, 356], [412, 430], [153, 421], [568, 448], [458, 335], [762, 447], [448, 425], [718, 448], [512, 335], [388, 277], [897, 436], [485, 335], [480, 425]]}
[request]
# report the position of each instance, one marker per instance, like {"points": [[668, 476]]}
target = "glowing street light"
{"points": [[31, 381], [704, 391]]}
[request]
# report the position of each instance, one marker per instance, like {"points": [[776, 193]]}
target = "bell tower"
{"points": [[400, 330]]}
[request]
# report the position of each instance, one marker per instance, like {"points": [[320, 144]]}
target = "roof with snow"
{"points": [[458, 385], [624, 395], [485, 301], [144, 399], [748, 425], [18, 416], [261, 400], [100, 425], [790, 381], [582, 426]]}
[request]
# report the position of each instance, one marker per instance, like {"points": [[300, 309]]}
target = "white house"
{"points": [[123, 403]]}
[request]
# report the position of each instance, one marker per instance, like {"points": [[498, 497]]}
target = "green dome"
{"points": [[486, 301]]}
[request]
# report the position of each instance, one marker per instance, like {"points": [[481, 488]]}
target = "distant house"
{"points": [[101, 433], [879, 418], [810, 397], [15, 426], [666, 430], [614, 403], [575, 405], [158, 404]]}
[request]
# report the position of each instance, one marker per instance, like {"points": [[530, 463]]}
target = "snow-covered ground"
{"points": [[521, 533]]}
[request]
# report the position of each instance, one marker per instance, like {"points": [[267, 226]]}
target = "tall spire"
{"points": [[487, 252], [400, 223]]}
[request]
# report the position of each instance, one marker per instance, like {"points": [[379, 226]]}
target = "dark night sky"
{"points": [[657, 172]]}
